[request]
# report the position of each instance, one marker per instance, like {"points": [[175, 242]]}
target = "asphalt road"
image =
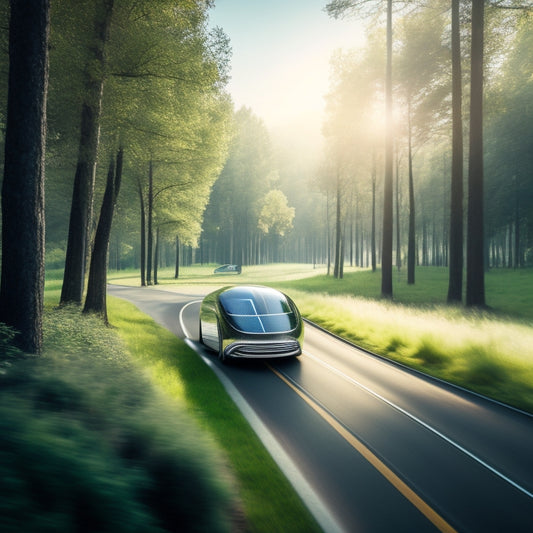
{"points": [[370, 445]]}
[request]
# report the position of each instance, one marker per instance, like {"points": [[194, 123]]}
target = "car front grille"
{"points": [[264, 349]]}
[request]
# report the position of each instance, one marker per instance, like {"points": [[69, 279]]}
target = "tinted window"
{"points": [[239, 306], [258, 310]]}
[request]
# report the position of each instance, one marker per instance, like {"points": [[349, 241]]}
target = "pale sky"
{"points": [[281, 54]]}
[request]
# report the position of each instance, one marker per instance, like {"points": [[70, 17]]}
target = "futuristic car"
{"points": [[250, 322]]}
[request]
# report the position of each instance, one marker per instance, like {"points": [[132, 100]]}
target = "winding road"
{"points": [[370, 445]]}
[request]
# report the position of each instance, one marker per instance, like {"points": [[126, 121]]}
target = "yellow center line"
{"points": [[383, 469]]}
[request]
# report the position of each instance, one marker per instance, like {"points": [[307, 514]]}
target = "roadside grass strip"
{"points": [[478, 352], [270, 502]]}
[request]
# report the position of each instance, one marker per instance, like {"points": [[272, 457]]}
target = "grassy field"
{"points": [[489, 352], [508, 291]]}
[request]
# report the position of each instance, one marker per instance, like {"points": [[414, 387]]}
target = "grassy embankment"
{"points": [[490, 352], [269, 502]]}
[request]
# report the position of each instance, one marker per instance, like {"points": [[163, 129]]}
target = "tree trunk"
{"points": [[338, 232], [455, 284], [143, 236], [411, 239], [518, 252], [22, 279], [95, 301], [342, 246], [150, 236], [156, 255], [82, 196], [386, 254], [475, 271], [328, 236], [177, 269], [373, 236], [398, 246]]}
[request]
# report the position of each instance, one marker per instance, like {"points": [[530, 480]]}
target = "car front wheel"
{"points": [[200, 338], [221, 356]]}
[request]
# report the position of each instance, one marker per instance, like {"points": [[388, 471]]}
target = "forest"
{"points": [[271, 203], [427, 156]]}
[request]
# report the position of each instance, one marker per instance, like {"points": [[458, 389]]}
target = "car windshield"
{"points": [[258, 310]]}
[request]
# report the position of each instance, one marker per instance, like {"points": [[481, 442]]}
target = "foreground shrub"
{"points": [[89, 446]]}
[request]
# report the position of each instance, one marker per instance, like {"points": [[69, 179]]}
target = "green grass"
{"points": [[479, 352], [203, 275], [489, 352], [508, 291]]}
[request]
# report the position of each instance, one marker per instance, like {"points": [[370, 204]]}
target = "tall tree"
{"points": [[95, 301], [339, 237], [411, 241], [508, 153], [248, 174], [164, 95], [386, 254], [275, 218], [475, 268], [22, 279], [420, 62], [338, 8], [455, 284], [82, 195], [143, 235]]}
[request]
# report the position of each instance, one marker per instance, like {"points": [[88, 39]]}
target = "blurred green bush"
{"points": [[88, 445]]}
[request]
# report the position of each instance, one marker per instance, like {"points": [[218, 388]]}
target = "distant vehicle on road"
{"points": [[234, 269], [250, 322]]}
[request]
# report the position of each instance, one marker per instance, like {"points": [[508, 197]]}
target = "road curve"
{"points": [[382, 448]]}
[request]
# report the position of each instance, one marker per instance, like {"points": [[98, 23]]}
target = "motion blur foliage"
{"points": [[89, 446], [8, 351]]}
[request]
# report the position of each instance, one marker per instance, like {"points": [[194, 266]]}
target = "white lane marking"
{"points": [[419, 421], [312, 501], [182, 322]]}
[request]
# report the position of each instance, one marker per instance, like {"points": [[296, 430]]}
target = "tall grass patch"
{"points": [[473, 350]]}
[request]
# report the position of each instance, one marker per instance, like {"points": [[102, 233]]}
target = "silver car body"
{"points": [[251, 322]]}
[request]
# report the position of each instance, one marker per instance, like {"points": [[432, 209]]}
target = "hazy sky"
{"points": [[281, 55]]}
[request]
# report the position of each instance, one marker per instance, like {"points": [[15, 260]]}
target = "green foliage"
{"points": [[55, 258], [8, 352], [88, 445], [275, 216], [247, 176], [509, 158], [430, 354], [66, 333], [163, 100]]}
